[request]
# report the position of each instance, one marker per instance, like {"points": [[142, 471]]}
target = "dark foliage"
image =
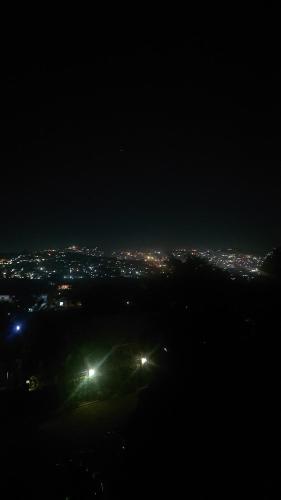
{"points": [[272, 264]]}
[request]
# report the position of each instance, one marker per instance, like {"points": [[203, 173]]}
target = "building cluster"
{"points": [[32, 299], [237, 263], [136, 263], [75, 263]]}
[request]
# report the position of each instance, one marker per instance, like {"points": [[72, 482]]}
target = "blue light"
{"points": [[15, 330]]}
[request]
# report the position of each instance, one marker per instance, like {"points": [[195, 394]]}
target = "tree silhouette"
{"points": [[195, 267], [272, 263]]}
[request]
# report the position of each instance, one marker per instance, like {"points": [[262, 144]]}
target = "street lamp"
{"points": [[91, 372]]}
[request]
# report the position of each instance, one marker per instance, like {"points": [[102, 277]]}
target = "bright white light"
{"points": [[143, 361], [92, 372], [18, 328], [61, 303]]}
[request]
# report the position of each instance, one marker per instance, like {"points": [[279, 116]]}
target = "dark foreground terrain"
{"points": [[205, 424]]}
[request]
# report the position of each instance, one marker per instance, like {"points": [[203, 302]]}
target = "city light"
{"points": [[91, 372], [144, 361], [68, 264]]}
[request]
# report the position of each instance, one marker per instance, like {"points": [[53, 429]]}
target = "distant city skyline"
{"points": [[75, 263], [108, 250]]}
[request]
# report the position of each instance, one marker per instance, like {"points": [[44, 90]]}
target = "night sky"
{"points": [[139, 141]]}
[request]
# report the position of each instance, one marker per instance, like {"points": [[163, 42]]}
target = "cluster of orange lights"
{"points": [[64, 286], [156, 261]]}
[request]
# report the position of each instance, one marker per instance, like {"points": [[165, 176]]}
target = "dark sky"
{"points": [[139, 140]]}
